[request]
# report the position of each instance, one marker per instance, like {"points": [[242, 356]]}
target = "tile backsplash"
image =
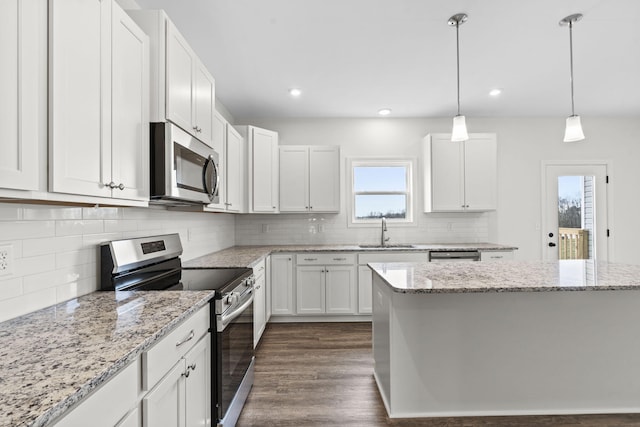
{"points": [[54, 249], [314, 229]]}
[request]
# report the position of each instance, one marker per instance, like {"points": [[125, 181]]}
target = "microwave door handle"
{"points": [[214, 191], [204, 175]]}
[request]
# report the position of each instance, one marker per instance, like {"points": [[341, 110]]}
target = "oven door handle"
{"points": [[224, 319]]}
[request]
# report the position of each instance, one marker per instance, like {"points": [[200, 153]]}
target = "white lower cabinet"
{"points": [[130, 420], [179, 396], [282, 289], [322, 288], [496, 255], [120, 391], [259, 302]]}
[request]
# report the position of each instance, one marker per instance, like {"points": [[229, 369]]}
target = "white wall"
{"points": [[523, 143], [55, 248]]}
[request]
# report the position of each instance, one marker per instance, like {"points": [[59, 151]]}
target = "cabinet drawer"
{"points": [[366, 258], [325, 259], [159, 359], [496, 255], [120, 392], [259, 269]]}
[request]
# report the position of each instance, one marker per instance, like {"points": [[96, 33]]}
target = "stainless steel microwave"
{"points": [[184, 170]]}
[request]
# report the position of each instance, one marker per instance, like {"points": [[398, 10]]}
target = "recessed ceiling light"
{"points": [[384, 111], [495, 92], [295, 92]]}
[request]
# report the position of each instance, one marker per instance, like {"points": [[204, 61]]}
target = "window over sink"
{"points": [[381, 188]]}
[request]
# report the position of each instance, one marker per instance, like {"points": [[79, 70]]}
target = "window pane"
{"points": [[377, 206], [379, 178]]}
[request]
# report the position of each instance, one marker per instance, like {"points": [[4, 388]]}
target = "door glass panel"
{"points": [[576, 217]]}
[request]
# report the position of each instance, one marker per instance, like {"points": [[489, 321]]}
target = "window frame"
{"points": [[409, 163]]}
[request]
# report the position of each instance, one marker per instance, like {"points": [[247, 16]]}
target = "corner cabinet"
{"points": [[98, 101], [23, 52], [460, 176], [262, 169], [182, 89], [309, 178]]}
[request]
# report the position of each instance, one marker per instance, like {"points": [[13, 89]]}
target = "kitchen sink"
{"points": [[390, 246]]}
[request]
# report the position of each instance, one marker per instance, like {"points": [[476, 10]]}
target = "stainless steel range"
{"points": [[153, 263]]}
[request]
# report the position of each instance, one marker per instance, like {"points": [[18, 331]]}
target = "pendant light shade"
{"points": [[459, 131], [573, 130]]}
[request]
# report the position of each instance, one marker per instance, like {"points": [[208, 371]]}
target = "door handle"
{"points": [[551, 244]]}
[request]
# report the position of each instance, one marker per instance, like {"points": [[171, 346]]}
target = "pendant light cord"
{"points": [[458, 65], [571, 64]]}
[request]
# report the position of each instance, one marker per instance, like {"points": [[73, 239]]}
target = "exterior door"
{"points": [[575, 212]]}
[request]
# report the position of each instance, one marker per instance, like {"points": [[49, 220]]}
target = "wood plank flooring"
{"points": [[321, 374]]}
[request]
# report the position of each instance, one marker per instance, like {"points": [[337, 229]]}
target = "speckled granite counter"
{"points": [[52, 358], [507, 276], [248, 256]]}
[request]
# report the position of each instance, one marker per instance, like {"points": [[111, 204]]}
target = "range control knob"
{"points": [[231, 298]]}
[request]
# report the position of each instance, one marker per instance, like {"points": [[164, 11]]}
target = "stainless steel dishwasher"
{"points": [[451, 256]]}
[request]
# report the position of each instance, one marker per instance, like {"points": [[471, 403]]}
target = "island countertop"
{"points": [[507, 276], [52, 358]]}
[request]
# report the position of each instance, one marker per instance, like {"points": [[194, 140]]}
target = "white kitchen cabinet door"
{"points": [[22, 24], [310, 290], [324, 179], [490, 256], [447, 172], [365, 282], [131, 420], [204, 101], [460, 176], [282, 290], [235, 170], [164, 405], [130, 100], [180, 74], [480, 174], [340, 290], [198, 384], [79, 96], [259, 309], [294, 178], [263, 170]]}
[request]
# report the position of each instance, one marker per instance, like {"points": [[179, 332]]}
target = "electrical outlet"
{"points": [[6, 260]]}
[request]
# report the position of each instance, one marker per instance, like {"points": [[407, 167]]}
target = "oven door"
{"points": [[233, 354], [183, 167]]}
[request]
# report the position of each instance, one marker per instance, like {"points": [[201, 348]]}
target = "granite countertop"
{"points": [[248, 256], [507, 276], [86, 341]]}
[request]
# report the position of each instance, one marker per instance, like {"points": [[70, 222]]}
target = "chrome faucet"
{"points": [[383, 238]]}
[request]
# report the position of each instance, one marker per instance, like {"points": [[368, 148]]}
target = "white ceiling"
{"points": [[353, 57]]}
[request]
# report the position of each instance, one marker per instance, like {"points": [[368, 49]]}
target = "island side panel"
{"points": [[381, 337], [513, 353]]}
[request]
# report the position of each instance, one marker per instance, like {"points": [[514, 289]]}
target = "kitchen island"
{"points": [[510, 338]]}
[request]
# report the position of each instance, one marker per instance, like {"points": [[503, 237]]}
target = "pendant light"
{"points": [[573, 130], [459, 132]]}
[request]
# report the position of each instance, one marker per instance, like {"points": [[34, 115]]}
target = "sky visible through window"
{"points": [[570, 187], [380, 179]]}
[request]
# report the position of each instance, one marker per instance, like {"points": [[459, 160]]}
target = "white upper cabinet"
{"points": [[22, 27], [262, 153], [182, 89], [219, 137], [460, 176], [98, 101], [309, 178], [235, 170]]}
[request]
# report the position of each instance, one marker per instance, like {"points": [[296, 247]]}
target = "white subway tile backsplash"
{"points": [[56, 248], [11, 230], [74, 227]]}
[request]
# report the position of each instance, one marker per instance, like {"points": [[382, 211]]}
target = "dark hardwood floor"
{"points": [[321, 374]]}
